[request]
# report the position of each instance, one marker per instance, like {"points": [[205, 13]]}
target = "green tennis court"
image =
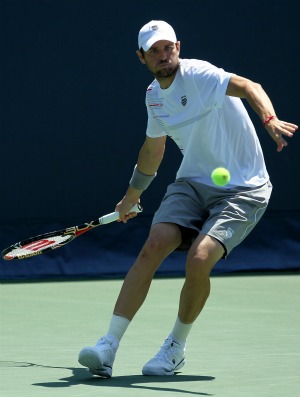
{"points": [[246, 342]]}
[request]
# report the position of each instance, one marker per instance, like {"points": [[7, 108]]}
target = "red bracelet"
{"points": [[268, 119]]}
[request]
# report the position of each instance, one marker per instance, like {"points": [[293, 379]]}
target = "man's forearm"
{"points": [[253, 93]]}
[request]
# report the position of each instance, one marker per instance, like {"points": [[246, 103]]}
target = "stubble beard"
{"points": [[168, 72]]}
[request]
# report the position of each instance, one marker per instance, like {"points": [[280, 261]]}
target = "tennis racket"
{"points": [[49, 241]]}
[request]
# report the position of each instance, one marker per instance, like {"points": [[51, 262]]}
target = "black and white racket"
{"points": [[48, 241]]}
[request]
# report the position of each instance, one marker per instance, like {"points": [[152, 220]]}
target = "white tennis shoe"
{"points": [[168, 360], [99, 359]]}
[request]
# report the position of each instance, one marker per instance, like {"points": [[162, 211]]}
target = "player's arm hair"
{"points": [[149, 159], [151, 155], [254, 93]]}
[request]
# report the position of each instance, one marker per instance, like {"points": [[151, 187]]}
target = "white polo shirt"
{"points": [[211, 129]]}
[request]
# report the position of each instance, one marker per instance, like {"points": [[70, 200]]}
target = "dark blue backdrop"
{"points": [[73, 119]]}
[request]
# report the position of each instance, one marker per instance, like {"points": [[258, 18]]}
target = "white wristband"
{"points": [[139, 180]]}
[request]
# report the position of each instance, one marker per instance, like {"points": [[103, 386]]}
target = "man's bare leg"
{"points": [[202, 257], [163, 239]]}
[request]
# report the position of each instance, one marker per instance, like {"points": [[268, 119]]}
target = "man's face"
{"points": [[162, 59]]}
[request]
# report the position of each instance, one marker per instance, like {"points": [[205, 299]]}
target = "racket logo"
{"points": [[50, 241], [37, 245]]}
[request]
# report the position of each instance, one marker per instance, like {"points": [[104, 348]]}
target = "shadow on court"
{"points": [[80, 376]]}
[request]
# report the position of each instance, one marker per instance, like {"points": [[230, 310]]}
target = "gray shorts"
{"points": [[228, 215]]}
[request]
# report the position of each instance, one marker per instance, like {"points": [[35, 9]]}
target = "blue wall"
{"points": [[73, 118]]}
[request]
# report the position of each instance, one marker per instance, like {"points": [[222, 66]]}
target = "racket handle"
{"points": [[114, 216]]}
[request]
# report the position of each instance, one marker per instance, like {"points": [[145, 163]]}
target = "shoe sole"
{"points": [[88, 358]]}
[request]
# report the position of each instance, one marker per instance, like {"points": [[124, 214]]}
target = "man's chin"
{"points": [[165, 73]]}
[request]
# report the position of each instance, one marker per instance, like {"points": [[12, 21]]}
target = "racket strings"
{"points": [[37, 247]]}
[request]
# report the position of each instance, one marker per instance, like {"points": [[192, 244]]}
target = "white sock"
{"points": [[180, 332], [118, 326]]}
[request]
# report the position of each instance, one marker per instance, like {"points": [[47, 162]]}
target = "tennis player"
{"points": [[197, 105]]}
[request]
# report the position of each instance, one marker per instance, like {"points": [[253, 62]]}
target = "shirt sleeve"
{"points": [[154, 130], [155, 126], [211, 83]]}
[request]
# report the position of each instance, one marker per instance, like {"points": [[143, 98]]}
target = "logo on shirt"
{"points": [[183, 100], [229, 233]]}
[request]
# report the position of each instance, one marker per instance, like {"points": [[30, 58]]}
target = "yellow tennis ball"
{"points": [[220, 176]]}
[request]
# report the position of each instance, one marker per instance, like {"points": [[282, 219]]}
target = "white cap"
{"points": [[154, 31]]}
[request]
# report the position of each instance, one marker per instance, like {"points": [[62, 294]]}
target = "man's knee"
{"points": [[203, 255], [163, 238]]}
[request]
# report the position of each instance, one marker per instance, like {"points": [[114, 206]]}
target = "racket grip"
{"points": [[114, 216]]}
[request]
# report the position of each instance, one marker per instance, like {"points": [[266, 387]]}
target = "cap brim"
{"points": [[149, 43]]}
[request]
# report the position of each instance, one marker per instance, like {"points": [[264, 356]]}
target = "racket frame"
{"points": [[42, 243]]}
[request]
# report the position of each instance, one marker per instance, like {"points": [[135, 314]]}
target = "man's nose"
{"points": [[163, 55]]}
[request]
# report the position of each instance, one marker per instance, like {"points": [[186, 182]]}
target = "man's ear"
{"points": [[140, 56], [178, 46]]}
